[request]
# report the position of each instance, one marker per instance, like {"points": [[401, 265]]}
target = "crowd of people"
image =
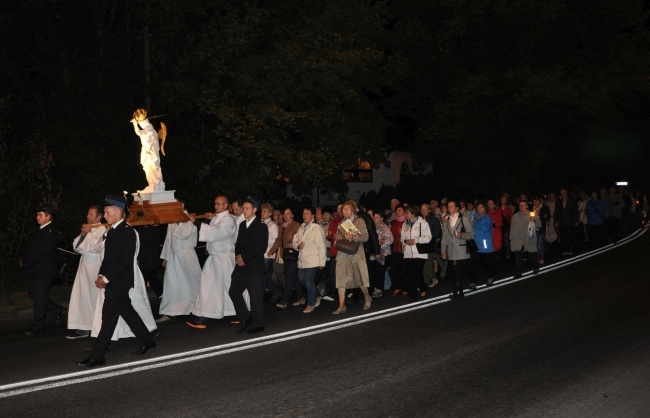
{"points": [[347, 253]]}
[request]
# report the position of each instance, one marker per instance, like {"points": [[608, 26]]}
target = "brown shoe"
{"points": [[340, 310]]}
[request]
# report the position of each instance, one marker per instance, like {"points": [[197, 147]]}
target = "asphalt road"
{"points": [[572, 341]]}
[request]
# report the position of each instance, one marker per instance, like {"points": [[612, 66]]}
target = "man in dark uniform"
{"points": [[250, 247], [116, 276], [41, 267]]}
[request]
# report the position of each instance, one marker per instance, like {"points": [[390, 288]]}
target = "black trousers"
{"points": [[568, 237], [39, 292], [413, 276], [597, 236], [396, 270], [151, 277], [254, 283], [457, 273], [532, 259], [377, 275], [291, 281], [268, 281], [483, 264], [117, 303]]}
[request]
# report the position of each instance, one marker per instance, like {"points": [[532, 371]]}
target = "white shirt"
{"points": [[453, 219]]}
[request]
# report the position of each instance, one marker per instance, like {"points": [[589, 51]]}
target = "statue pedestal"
{"points": [[155, 208], [154, 197]]}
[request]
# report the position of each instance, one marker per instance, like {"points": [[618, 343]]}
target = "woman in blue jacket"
{"points": [[595, 211], [483, 261]]}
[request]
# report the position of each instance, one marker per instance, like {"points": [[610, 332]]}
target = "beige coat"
{"points": [[518, 232], [351, 269], [313, 253]]}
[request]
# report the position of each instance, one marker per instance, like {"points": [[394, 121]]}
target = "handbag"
{"points": [[427, 248], [470, 244], [325, 287], [290, 254], [347, 246]]}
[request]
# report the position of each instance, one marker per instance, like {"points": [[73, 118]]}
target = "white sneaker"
{"points": [[162, 318], [433, 283], [377, 293], [328, 298]]}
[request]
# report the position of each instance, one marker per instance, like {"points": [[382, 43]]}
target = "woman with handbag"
{"points": [[290, 256], [351, 268], [414, 231], [310, 241]]}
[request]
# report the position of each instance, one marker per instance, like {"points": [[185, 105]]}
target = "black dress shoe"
{"points": [[33, 331], [255, 330], [155, 333], [245, 325], [143, 349], [60, 316], [90, 363]]}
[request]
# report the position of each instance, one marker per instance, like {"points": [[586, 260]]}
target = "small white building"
{"points": [[362, 178]]}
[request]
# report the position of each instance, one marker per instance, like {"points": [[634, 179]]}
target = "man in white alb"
{"points": [[219, 235], [83, 298]]}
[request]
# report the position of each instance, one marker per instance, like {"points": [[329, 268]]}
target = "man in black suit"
{"points": [[565, 219], [250, 247], [116, 276], [41, 267]]}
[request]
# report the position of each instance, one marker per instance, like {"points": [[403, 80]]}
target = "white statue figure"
{"points": [[150, 153]]}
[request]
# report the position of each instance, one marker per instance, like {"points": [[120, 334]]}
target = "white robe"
{"points": [[213, 300], [183, 271], [83, 298], [139, 301]]}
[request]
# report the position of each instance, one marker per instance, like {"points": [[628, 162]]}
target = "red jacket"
{"points": [[396, 229], [332, 229]]}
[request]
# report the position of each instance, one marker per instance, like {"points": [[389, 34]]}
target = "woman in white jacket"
{"points": [[310, 241], [414, 231]]}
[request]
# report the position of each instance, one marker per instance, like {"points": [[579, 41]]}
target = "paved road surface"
{"points": [[572, 341]]}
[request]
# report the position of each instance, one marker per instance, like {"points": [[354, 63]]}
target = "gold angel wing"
{"points": [[162, 136]]}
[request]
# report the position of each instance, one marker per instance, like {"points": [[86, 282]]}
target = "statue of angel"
{"points": [[150, 152]]}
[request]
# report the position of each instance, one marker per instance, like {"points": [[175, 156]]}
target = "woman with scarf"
{"points": [[288, 229], [378, 264], [351, 269], [415, 230], [310, 241]]}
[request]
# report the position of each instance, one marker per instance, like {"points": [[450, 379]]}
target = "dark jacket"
{"points": [[119, 254], [544, 216], [251, 245], [40, 261], [566, 216], [372, 245], [149, 254]]}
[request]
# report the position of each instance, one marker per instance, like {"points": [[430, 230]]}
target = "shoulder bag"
{"points": [[427, 248], [470, 243], [347, 246]]}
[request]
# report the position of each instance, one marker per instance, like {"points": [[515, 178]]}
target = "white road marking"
{"points": [[53, 382]]}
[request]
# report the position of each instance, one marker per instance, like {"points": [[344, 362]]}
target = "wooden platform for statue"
{"points": [[146, 213]]}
